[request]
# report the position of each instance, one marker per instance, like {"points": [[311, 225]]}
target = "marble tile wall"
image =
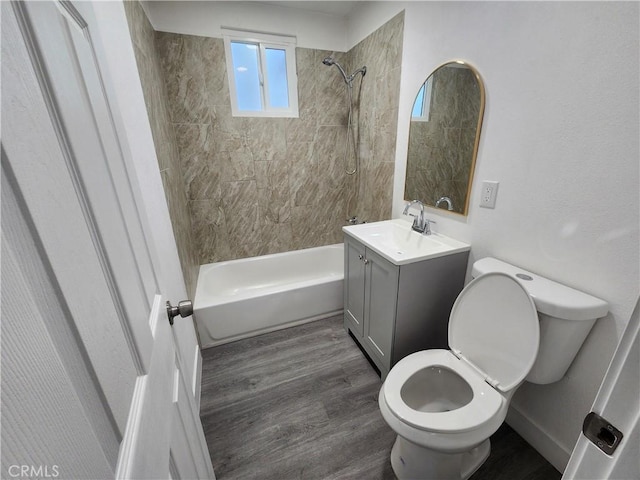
{"points": [[440, 150], [370, 191], [265, 185], [164, 138]]}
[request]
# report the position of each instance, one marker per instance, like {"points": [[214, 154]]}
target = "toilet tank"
{"points": [[566, 317]]}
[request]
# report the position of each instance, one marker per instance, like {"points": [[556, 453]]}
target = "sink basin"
{"points": [[395, 241]]}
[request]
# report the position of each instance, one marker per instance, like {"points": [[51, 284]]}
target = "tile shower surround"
{"points": [[265, 185], [156, 100]]}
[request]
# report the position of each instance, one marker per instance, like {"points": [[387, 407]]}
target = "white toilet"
{"points": [[445, 404]]}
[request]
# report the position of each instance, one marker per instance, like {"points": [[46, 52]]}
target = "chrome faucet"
{"points": [[420, 224], [446, 200], [354, 220]]}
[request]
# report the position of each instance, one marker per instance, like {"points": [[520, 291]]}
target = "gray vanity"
{"points": [[399, 287], [399, 284]]}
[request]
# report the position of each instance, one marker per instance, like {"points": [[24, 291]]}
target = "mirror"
{"points": [[443, 137]]}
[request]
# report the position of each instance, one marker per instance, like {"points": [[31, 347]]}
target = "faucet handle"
{"points": [[427, 226], [417, 221]]}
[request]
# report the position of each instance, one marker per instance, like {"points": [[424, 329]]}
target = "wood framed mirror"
{"points": [[444, 134]]}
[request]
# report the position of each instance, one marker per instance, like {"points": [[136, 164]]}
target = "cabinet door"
{"points": [[380, 305], [354, 276]]}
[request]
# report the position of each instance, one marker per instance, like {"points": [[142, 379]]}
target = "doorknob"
{"points": [[184, 309]]}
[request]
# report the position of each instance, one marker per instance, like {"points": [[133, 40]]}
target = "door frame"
{"points": [[149, 195], [618, 401], [116, 58]]}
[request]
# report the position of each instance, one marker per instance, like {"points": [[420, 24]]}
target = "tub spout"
{"points": [[446, 200], [355, 220]]}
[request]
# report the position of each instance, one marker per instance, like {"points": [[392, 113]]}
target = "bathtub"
{"points": [[247, 297]]}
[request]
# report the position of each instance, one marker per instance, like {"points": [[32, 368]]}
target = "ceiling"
{"points": [[338, 8]]}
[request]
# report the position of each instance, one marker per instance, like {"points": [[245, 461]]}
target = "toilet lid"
{"points": [[494, 326]]}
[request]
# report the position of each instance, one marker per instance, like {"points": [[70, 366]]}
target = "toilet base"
{"points": [[413, 462]]}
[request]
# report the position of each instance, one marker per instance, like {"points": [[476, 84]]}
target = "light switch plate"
{"points": [[488, 194]]}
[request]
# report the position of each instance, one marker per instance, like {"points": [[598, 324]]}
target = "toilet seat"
{"points": [[494, 332], [484, 405], [494, 326]]}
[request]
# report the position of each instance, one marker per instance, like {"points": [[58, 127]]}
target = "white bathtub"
{"points": [[242, 298]]}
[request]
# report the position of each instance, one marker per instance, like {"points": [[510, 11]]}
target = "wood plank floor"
{"points": [[301, 403]]}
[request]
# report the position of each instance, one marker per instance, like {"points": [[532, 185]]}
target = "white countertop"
{"points": [[398, 243]]}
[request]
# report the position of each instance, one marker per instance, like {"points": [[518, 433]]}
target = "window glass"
{"points": [[422, 105], [247, 75], [276, 60], [261, 70], [419, 103]]}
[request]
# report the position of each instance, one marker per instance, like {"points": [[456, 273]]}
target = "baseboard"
{"points": [[545, 444]]}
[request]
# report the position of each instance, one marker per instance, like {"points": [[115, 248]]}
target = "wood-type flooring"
{"points": [[302, 403]]}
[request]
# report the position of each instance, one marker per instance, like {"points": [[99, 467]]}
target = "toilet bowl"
{"points": [[456, 410], [445, 404]]}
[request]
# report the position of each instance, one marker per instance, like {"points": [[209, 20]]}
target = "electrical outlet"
{"points": [[488, 194]]}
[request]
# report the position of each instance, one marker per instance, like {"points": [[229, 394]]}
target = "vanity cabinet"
{"points": [[395, 310]]}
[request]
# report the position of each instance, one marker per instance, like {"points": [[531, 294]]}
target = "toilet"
{"points": [[445, 404]]}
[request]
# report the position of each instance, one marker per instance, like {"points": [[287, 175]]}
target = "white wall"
{"points": [[313, 29], [560, 134]]}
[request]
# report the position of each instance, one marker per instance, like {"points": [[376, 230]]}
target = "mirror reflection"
{"points": [[443, 137]]}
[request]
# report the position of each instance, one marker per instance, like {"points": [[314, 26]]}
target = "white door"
{"points": [[617, 402], [95, 382]]}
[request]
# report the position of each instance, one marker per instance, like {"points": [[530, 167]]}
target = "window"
{"points": [[261, 73], [422, 104]]}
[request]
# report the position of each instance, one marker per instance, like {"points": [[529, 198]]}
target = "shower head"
{"points": [[348, 79], [330, 61]]}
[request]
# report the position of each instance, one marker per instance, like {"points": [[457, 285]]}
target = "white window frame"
{"points": [[263, 41], [426, 103]]}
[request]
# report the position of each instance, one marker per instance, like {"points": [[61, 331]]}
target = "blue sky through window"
{"points": [[419, 103], [262, 74], [277, 76], [247, 76]]}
